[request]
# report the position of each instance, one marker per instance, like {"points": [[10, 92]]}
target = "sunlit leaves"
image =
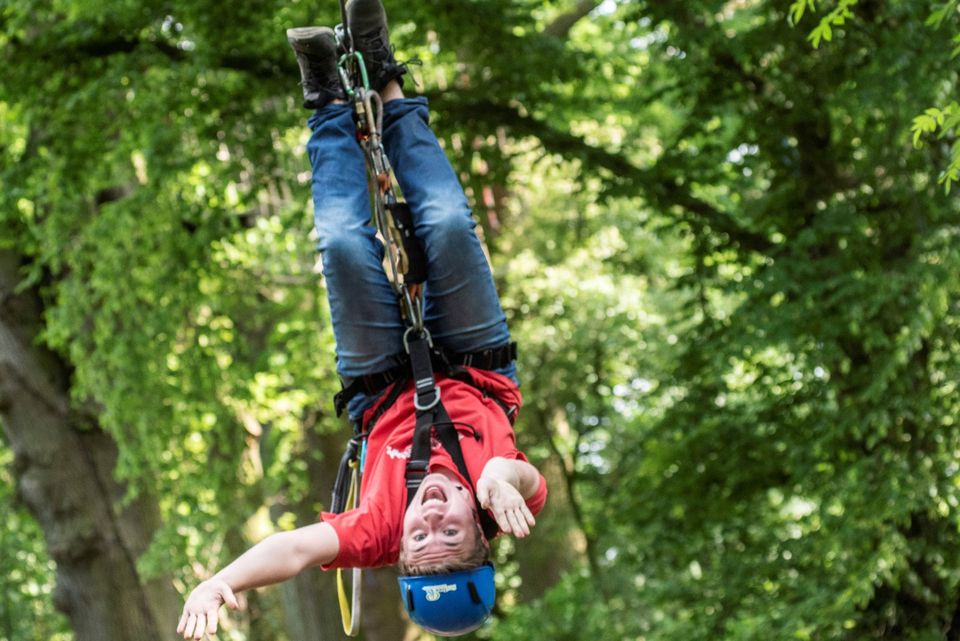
{"points": [[836, 17], [26, 571], [942, 122], [732, 281], [933, 119], [799, 7], [942, 13]]}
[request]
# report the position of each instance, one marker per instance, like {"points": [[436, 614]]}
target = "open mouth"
{"points": [[433, 493]]}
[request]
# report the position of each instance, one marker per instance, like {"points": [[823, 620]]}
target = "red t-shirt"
{"points": [[370, 534]]}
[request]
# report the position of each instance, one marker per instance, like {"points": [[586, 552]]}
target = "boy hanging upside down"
{"points": [[439, 535]]}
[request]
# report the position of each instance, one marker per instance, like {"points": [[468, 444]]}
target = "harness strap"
{"points": [[385, 404], [419, 461], [432, 417], [341, 486], [438, 421], [426, 400], [441, 359], [450, 439], [415, 267]]}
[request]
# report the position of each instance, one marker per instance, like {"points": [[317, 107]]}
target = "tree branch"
{"points": [[622, 176], [561, 25], [260, 66]]}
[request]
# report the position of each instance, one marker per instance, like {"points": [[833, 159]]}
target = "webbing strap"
{"points": [[426, 391], [450, 439], [350, 608], [442, 360], [432, 417], [419, 454], [342, 486], [437, 421], [415, 267], [426, 399], [348, 37]]}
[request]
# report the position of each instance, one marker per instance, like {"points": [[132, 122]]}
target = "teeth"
{"points": [[434, 494]]}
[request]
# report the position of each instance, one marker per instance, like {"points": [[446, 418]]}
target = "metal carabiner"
{"points": [[406, 340]]}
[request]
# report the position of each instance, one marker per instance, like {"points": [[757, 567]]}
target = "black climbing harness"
{"points": [[406, 267], [406, 261], [432, 417]]}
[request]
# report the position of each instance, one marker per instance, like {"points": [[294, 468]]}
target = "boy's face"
{"points": [[440, 522]]}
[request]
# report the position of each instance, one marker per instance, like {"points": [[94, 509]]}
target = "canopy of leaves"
{"points": [[733, 277]]}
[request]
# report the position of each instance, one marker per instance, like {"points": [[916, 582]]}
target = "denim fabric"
{"points": [[461, 307]]}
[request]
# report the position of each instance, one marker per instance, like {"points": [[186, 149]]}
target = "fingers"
{"points": [[201, 613], [188, 625], [502, 522], [517, 523], [509, 510], [195, 625], [528, 515], [524, 520], [515, 520], [211, 622]]}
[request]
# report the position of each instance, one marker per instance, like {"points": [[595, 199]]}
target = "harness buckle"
{"points": [[417, 467], [414, 474], [413, 330], [420, 407]]}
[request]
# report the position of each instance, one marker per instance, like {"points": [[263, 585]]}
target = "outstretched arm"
{"points": [[503, 488], [277, 558]]}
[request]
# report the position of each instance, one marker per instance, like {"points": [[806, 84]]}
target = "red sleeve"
{"points": [[364, 540], [539, 498], [504, 443]]}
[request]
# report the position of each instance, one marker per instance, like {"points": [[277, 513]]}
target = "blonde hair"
{"points": [[474, 557]]}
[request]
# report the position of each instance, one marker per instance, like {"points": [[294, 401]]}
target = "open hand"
{"points": [[201, 612], [508, 507]]}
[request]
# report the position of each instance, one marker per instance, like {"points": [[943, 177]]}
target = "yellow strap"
{"points": [[346, 617], [350, 626]]}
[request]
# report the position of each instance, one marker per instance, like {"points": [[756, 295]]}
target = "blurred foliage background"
{"points": [[725, 239]]}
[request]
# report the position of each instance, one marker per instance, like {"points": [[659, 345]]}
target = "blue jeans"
{"points": [[461, 307]]}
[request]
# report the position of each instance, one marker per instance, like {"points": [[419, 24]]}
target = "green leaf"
{"points": [[821, 32], [940, 14], [798, 8]]}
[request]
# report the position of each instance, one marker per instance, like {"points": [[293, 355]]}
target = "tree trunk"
{"points": [[382, 607], [63, 470], [310, 602], [556, 544]]}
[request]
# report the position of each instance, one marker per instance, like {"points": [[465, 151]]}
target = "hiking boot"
{"points": [[368, 27], [316, 49]]}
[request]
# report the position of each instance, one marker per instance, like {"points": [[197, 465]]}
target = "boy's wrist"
{"points": [[500, 469]]}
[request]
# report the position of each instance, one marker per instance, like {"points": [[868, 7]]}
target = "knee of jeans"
{"points": [[336, 215], [447, 225], [343, 247]]}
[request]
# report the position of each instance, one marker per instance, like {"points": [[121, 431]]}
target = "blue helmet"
{"points": [[449, 604]]}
